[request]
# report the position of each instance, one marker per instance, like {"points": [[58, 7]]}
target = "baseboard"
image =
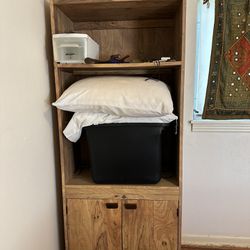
{"points": [[217, 241], [191, 247]]}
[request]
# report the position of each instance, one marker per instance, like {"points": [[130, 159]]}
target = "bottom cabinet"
{"points": [[121, 224], [149, 225], [94, 224]]}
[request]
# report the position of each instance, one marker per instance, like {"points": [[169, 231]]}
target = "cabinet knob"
{"points": [[112, 205], [130, 206]]}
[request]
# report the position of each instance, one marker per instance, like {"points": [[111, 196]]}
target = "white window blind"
{"points": [[205, 25]]}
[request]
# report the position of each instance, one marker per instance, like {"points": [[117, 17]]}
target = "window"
{"points": [[205, 25]]}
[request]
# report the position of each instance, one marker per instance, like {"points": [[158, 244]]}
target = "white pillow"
{"points": [[79, 120], [117, 95]]}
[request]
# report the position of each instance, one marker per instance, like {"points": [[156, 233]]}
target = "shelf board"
{"points": [[82, 186], [109, 10], [126, 68], [86, 179]]}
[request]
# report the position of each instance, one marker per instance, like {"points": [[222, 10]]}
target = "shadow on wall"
{"points": [[49, 55]]}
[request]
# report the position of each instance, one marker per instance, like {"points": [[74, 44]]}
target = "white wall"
{"points": [[216, 172], [28, 212]]}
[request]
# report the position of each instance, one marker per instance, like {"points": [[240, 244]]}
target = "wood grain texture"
{"points": [[146, 68], [131, 24], [63, 24], [146, 30], [79, 11], [57, 90], [178, 32], [145, 65], [180, 79], [138, 225], [63, 79], [93, 226], [165, 225], [82, 186], [66, 153], [112, 192], [137, 43], [152, 2], [152, 225], [121, 72]]}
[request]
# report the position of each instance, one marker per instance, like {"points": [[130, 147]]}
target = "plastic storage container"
{"points": [[74, 48], [125, 153]]}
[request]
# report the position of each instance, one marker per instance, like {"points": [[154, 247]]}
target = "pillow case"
{"points": [[79, 120], [118, 95]]}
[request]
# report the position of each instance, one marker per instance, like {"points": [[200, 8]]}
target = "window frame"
{"points": [[206, 125]]}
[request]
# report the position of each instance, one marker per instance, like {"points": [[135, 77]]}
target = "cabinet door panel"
{"points": [[137, 225], [149, 225], [94, 224], [165, 225]]}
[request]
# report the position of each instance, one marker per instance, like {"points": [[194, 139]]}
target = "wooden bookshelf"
{"points": [[132, 216]]}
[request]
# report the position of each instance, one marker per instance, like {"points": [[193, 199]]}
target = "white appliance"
{"points": [[74, 48]]}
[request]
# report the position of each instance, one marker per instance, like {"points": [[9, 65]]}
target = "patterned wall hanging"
{"points": [[228, 91]]}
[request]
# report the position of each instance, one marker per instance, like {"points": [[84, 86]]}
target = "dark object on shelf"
{"points": [[125, 153], [81, 154], [113, 59]]}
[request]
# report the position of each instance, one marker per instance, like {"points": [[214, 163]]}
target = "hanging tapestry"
{"points": [[228, 90]]}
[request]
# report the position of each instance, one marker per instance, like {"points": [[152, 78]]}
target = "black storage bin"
{"points": [[125, 153]]}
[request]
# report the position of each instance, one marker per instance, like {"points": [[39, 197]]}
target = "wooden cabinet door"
{"points": [[149, 225], [94, 224]]}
